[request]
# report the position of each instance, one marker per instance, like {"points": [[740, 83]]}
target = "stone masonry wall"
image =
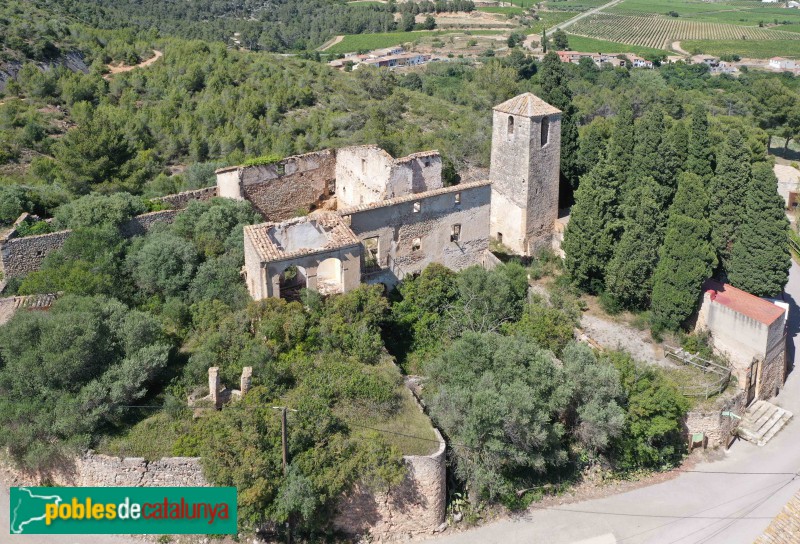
{"points": [[773, 371], [97, 470], [180, 200], [415, 507], [717, 428], [24, 255], [282, 190], [398, 227], [21, 256]]}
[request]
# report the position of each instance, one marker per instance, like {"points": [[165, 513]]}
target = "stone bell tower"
{"points": [[526, 156]]}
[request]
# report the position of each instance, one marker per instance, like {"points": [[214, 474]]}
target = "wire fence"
{"points": [[708, 389]]}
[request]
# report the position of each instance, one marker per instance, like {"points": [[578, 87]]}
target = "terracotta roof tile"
{"points": [[743, 302], [337, 235], [527, 105]]}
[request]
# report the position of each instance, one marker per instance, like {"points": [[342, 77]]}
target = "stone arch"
{"points": [[329, 276]]}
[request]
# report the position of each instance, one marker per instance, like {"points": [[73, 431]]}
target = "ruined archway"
{"points": [[329, 276], [292, 279]]}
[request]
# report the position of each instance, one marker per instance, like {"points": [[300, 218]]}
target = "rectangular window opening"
{"points": [[417, 207], [371, 258], [455, 233], [458, 199], [416, 244]]}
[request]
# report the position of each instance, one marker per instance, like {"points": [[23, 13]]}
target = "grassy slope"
{"points": [[591, 45], [745, 48]]}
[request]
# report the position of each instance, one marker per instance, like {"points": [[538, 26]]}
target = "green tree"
{"points": [[653, 436], [68, 374], [629, 275], [555, 91], [623, 141], [593, 145], [162, 263], [687, 257], [13, 201], [593, 228], [560, 40], [593, 415], [650, 154], [701, 156], [760, 258], [500, 397], [728, 190], [89, 263], [104, 211]]}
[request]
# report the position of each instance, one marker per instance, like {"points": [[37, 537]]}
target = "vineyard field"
{"points": [[574, 5], [745, 49], [659, 33], [548, 19], [592, 45], [737, 12]]}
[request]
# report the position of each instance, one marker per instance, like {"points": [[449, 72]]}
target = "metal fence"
{"points": [[706, 390]]}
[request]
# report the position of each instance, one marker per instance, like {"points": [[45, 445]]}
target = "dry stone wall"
{"points": [[21, 256], [716, 427], [141, 224], [180, 200], [416, 507]]}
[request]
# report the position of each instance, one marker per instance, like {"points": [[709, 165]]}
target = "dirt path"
{"points": [[570, 22], [676, 46], [125, 68], [330, 43], [614, 335]]}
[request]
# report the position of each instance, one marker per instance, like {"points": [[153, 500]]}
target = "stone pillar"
{"points": [[246, 380], [213, 386]]}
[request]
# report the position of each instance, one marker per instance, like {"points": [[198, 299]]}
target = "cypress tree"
{"points": [[593, 146], [687, 256], [629, 275], [593, 228], [555, 91], [760, 259], [650, 155], [623, 141], [728, 189], [676, 151], [701, 158]]}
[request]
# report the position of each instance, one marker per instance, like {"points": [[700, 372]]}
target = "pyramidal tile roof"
{"points": [[527, 105]]}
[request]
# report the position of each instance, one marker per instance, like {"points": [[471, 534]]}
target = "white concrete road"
{"points": [[730, 502]]}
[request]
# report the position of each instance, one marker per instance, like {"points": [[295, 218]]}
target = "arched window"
{"points": [[545, 131], [510, 125]]}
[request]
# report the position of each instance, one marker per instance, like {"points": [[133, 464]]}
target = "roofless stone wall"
{"points": [[21, 256], [180, 200]]}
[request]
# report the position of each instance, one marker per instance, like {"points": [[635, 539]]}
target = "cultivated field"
{"points": [[592, 45], [739, 12], [367, 42], [660, 32], [751, 49]]}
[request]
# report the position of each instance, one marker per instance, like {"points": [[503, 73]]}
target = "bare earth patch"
{"points": [[119, 68]]}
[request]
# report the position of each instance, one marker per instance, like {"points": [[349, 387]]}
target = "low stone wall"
{"points": [[716, 427], [97, 470], [141, 224], [180, 200], [416, 507], [21, 256]]}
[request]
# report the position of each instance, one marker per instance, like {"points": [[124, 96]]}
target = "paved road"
{"points": [[715, 507]]}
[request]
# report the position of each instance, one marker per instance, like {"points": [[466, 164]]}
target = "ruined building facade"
{"points": [[336, 219]]}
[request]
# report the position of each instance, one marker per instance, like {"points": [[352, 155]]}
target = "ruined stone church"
{"points": [[355, 215]]}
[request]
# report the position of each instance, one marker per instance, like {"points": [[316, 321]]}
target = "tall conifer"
{"points": [[687, 256], [629, 275], [727, 191], [650, 155], [623, 140], [593, 228], [760, 259], [701, 158], [556, 91]]}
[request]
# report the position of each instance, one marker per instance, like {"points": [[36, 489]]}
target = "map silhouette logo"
{"points": [[29, 508]]}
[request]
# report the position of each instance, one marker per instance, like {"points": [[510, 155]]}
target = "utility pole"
{"points": [[285, 451]]}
